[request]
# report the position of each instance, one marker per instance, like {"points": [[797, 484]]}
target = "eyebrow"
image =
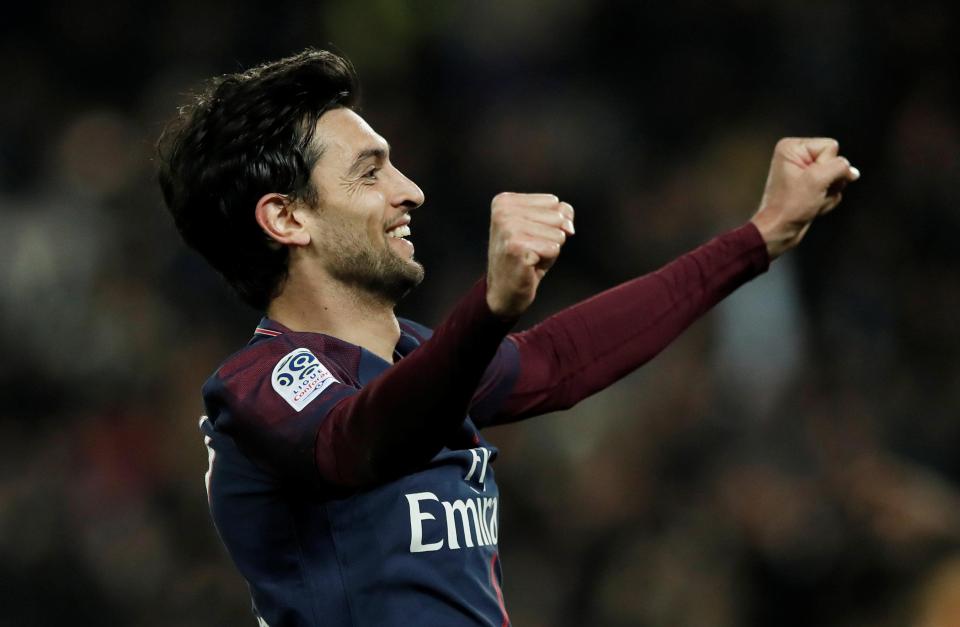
{"points": [[379, 154]]}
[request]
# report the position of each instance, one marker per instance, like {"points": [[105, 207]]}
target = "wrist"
{"points": [[778, 237], [498, 306], [501, 309]]}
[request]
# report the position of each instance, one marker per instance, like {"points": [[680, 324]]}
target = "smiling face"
{"points": [[360, 229]]}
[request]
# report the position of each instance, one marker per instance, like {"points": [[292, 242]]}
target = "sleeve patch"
{"points": [[299, 378]]}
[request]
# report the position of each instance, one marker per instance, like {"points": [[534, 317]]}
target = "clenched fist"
{"points": [[526, 233], [805, 180]]}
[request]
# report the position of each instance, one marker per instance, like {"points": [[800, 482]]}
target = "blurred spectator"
{"points": [[939, 603]]}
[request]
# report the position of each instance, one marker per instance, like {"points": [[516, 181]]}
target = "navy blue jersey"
{"points": [[380, 507], [418, 550]]}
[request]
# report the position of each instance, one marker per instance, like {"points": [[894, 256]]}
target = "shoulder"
{"points": [[267, 353], [276, 367]]}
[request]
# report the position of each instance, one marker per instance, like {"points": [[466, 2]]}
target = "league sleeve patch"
{"points": [[299, 377]]}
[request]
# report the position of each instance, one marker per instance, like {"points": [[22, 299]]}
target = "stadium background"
{"points": [[792, 460]]}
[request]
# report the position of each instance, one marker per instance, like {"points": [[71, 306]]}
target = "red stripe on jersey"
{"points": [[496, 588], [270, 332]]}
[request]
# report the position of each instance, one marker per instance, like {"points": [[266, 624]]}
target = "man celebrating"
{"points": [[348, 478]]}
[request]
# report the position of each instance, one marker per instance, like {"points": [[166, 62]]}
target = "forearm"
{"points": [[585, 348], [402, 419]]}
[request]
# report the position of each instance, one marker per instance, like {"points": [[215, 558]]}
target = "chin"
{"points": [[395, 278], [411, 278], [381, 274], [416, 271]]}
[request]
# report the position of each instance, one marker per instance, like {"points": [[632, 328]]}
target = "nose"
{"points": [[407, 193]]}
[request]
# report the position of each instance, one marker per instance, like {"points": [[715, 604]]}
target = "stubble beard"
{"points": [[378, 272]]}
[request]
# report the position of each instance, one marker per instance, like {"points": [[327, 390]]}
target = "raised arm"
{"points": [[352, 438], [403, 418], [585, 348]]}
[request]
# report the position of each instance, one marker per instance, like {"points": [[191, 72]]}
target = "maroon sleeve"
{"points": [[585, 348], [401, 419]]}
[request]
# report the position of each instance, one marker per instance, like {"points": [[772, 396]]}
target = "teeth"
{"points": [[400, 231]]}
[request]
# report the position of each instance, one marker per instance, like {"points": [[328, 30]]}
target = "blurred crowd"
{"points": [[791, 460]]}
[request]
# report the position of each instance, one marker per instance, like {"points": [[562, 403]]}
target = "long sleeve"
{"points": [[293, 403], [401, 419], [588, 346]]}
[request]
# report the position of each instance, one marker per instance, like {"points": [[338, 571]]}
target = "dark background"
{"points": [[791, 460]]}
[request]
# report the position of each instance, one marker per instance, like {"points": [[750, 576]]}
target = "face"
{"points": [[361, 228]]}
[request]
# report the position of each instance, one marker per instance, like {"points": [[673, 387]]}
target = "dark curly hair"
{"points": [[243, 136]]}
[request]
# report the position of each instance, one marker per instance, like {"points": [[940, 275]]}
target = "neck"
{"points": [[324, 305]]}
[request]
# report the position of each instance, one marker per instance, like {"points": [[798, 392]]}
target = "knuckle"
{"points": [[515, 249], [541, 199], [500, 213], [550, 250], [815, 176]]}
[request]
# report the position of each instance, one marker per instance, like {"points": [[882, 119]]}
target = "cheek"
{"points": [[375, 217], [359, 216]]}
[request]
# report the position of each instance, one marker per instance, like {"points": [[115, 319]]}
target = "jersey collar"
{"points": [[268, 328]]}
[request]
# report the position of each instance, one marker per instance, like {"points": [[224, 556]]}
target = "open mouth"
{"points": [[399, 232]]}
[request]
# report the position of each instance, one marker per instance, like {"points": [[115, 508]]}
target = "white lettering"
{"points": [[486, 458], [480, 456], [211, 456], [483, 505], [477, 517], [461, 508], [482, 538], [416, 523], [473, 466]]}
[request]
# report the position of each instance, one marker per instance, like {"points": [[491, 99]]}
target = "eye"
{"points": [[371, 174]]}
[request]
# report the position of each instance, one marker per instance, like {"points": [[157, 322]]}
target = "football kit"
{"points": [[350, 490]]}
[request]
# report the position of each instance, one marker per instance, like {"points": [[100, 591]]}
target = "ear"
{"points": [[277, 215]]}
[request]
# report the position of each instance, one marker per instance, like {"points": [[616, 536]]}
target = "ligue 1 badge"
{"points": [[299, 377]]}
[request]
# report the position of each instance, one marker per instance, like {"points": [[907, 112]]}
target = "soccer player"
{"points": [[348, 476]]}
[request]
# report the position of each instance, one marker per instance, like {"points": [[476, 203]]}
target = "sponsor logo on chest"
{"points": [[456, 524], [461, 523]]}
